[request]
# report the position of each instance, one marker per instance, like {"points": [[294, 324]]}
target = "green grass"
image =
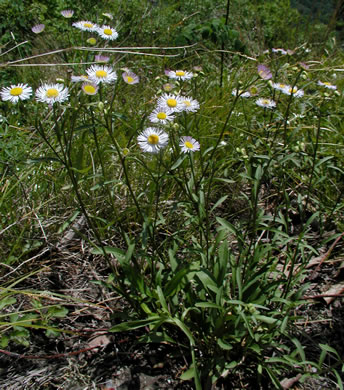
{"points": [[210, 245]]}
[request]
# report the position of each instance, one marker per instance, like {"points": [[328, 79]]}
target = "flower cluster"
{"points": [[105, 31], [288, 90], [46, 93], [152, 140]]}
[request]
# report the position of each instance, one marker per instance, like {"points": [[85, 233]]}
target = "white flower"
{"points": [[168, 87], [265, 103], [161, 115], [76, 79], [108, 15], [152, 140], [179, 74], [280, 86], [295, 91], [67, 13], [107, 32], [101, 74], [190, 104], [188, 144], [130, 77], [89, 88], [52, 93], [241, 93], [38, 28], [172, 102], [101, 58], [14, 93], [326, 84], [282, 51], [85, 25]]}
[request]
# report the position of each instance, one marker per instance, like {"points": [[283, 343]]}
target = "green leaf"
{"points": [[188, 374], [4, 340], [162, 298], [222, 344], [178, 162], [299, 348], [131, 325], [184, 328], [7, 301], [218, 203], [177, 282], [207, 280], [227, 225], [266, 319], [158, 337], [208, 305], [110, 250], [327, 348], [57, 311]]}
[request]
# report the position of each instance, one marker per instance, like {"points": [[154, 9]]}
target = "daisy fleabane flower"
{"points": [[130, 77], [107, 32], [85, 25], [89, 88], [38, 28], [168, 87], [76, 79], [172, 102], [239, 92], [101, 58], [265, 103], [67, 13], [190, 104], [288, 90], [280, 86], [327, 85], [101, 74], [179, 74], [52, 93], [152, 140], [264, 72], [161, 115], [281, 51], [14, 93], [189, 144]]}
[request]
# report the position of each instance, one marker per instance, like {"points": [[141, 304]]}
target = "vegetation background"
{"points": [[224, 264]]}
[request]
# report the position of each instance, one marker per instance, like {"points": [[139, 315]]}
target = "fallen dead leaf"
{"points": [[288, 382], [99, 341], [334, 291]]}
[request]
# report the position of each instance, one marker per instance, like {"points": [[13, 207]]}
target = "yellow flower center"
{"points": [[101, 73], [282, 85], [180, 73], [293, 90], [90, 89], [52, 93], [171, 102], [130, 79], [189, 145], [326, 83], [16, 91], [88, 25], [187, 103], [266, 102], [161, 115], [92, 41], [153, 139], [107, 31]]}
